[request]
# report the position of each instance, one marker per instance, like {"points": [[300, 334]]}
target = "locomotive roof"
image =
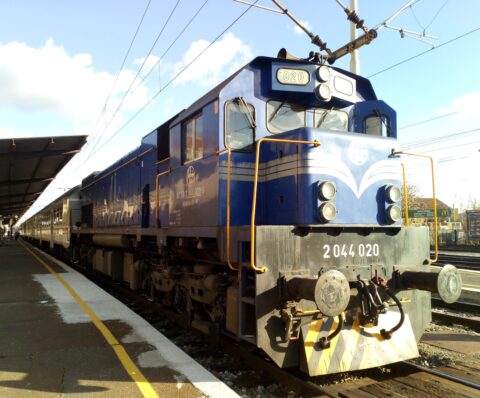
{"points": [[364, 87]]}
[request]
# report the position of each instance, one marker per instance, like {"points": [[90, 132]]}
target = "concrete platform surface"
{"points": [[52, 345], [459, 342]]}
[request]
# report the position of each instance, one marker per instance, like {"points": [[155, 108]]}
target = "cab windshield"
{"points": [[284, 116], [331, 119]]}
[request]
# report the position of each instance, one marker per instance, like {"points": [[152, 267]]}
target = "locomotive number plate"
{"points": [[351, 250], [296, 77]]}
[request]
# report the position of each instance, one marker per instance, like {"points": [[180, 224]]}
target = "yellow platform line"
{"points": [[142, 383]]}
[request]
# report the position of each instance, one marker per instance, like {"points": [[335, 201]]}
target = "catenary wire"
{"points": [[175, 77], [436, 15], [165, 86], [452, 146], [417, 144], [171, 45], [167, 50], [425, 52], [427, 120], [416, 18], [93, 143], [124, 60], [143, 64], [93, 137]]}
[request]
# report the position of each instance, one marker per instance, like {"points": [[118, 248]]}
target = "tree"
{"points": [[472, 203], [413, 194]]}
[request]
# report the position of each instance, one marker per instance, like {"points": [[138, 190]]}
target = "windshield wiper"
{"points": [[324, 116], [247, 112], [277, 110]]}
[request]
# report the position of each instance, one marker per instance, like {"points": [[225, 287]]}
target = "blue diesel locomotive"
{"points": [[269, 210]]}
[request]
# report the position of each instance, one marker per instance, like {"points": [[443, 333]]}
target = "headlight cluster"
{"points": [[327, 211], [392, 196], [323, 90]]}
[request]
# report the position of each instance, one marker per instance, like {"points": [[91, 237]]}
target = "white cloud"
{"points": [[220, 60], [150, 62], [48, 79], [7, 132], [464, 107], [299, 31]]}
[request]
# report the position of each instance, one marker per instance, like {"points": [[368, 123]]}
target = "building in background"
{"points": [[450, 229]]}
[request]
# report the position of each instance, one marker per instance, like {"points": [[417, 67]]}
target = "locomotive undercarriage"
{"points": [[184, 275], [324, 289]]}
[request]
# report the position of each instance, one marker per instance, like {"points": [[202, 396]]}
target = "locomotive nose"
{"points": [[447, 283], [330, 292]]}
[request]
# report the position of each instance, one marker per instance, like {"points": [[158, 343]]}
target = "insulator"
{"points": [[354, 18]]}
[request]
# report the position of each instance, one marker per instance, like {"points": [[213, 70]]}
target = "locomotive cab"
{"points": [[328, 252]]}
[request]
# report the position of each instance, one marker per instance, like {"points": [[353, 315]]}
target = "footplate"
{"points": [[356, 347]]}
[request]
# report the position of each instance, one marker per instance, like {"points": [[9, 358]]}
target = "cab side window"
{"points": [[192, 138], [239, 124], [378, 125]]}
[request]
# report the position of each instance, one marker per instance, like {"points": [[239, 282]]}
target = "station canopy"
{"points": [[28, 165]]}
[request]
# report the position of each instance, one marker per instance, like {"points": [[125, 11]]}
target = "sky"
{"points": [[115, 70]]}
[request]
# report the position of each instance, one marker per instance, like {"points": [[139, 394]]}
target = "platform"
{"points": [[61, 335]]}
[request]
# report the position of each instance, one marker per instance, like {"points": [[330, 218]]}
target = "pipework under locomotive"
{"points": [[269, 210]]}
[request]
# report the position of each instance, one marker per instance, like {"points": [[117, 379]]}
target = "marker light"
{"points": [[323, 92], [327, 211], [393, 193], [327, 190], [394, 214], [323, 74]]}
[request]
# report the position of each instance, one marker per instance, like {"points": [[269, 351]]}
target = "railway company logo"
{"points": [[358, 152], [190, 175]]}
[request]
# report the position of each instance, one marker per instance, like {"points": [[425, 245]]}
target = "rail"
{"points": [[255, 186], [443, 375]]}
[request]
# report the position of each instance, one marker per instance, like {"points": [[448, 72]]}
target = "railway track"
{"points": [[229, 358], [460, 261], [462, 313], [404, 379]]}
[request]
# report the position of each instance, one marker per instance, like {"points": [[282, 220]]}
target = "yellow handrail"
{"points": [[405, 195], [255, 184], [169, 170], [435, 219], [229, 159]]}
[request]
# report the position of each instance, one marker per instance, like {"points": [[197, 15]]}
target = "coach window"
{"points": [[192, 139], [378, 125], [283, 116], [239, 124], [331, 119]]}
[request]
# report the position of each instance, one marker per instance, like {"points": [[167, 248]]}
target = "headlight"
{"points": [[394, 213], [327, 211], [327, 190], [323, 92], [393, 193], [323, 74]]}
